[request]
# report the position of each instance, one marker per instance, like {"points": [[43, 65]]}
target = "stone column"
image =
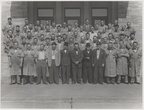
{"points": [[30, 12], [114, 11], [86, 11], [58, 13]]}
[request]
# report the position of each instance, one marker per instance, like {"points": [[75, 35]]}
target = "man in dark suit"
{"points": [[76, 57], [87, 64], [65, 63], [98, 59]]}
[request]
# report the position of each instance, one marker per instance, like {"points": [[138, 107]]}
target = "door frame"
{"points": [[46, 18], [106, 18], [73, 17]]}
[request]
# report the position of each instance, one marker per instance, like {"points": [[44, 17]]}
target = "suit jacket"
{"points": [[87, 62], [57, 57], [75, 57], [65, 58], [102, 57]]}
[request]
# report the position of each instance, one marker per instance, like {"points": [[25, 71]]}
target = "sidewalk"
{"points": [[83, 96]]}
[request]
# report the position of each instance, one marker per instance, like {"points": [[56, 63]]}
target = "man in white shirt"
{"points": [[41, 66]]}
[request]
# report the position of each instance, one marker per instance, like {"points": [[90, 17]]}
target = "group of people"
{"points": [[85, 54]]}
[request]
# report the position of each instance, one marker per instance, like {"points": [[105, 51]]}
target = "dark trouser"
{"points": [[98, 74], [15, 79], [41, 68], [22, 66], [28, 79], [76, 74], [53, 73], [65, 72], [87, 74]]}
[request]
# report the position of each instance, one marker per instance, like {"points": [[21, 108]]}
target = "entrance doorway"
{"points": [[71, 15], [44, 14], [99, 14]]}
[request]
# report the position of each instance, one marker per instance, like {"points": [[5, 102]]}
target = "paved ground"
{"points": [[83, 96]]}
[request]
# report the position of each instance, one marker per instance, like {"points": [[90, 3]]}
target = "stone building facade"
{"points": [[123, 11]]}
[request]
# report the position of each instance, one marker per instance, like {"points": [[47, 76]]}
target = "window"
{"points": [[99, 14], [45, 14], [72, 12], [72, 15]]}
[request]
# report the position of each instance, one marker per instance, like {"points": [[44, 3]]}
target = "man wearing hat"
{"points": [[65, 63], [76, 57], [98, 62], [87, 64], [54, 58]]}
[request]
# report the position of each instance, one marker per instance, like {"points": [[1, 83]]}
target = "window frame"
{"points": [[46, 18], [72, 17], [105, 18]]}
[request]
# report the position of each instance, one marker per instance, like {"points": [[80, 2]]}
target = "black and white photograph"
{"points": [[71, 54]]}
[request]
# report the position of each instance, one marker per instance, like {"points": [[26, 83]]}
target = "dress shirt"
{"points": [[53, 54], [98, 53], [41, 55]]}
